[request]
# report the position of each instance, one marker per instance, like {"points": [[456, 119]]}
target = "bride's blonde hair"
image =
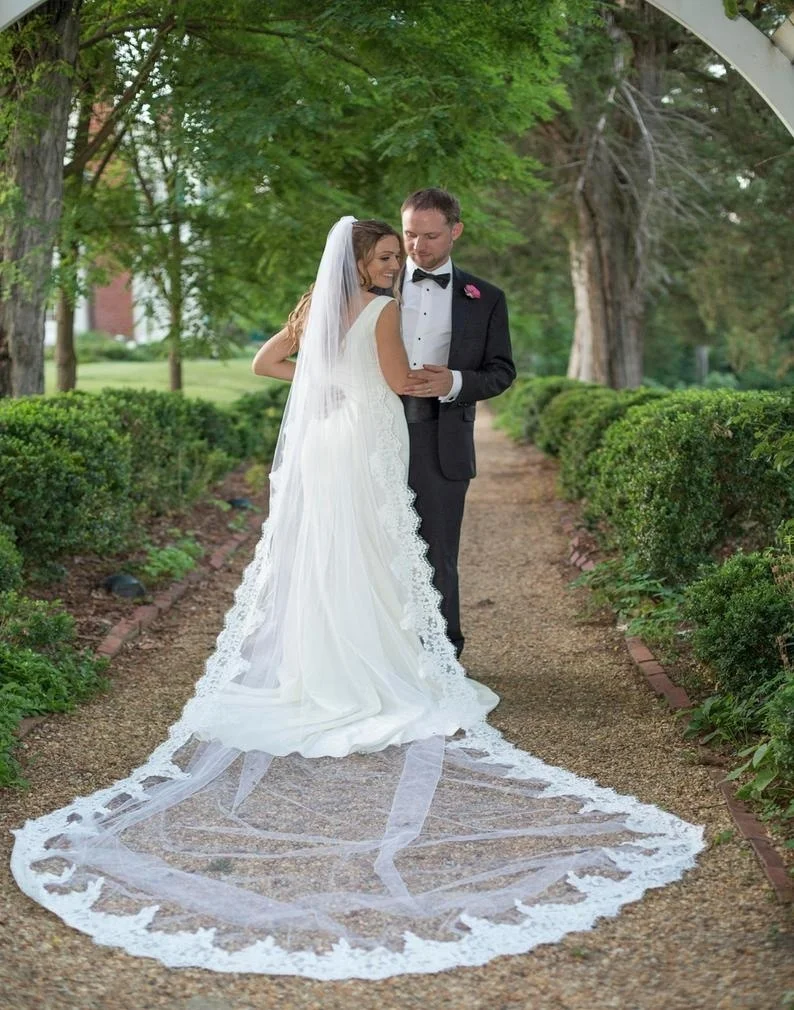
{"points": [[366, 235]]}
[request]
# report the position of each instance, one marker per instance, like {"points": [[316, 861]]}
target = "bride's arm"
{"points": [[391, 351], [272, 357]]}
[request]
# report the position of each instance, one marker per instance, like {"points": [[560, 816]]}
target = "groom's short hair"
{"points": [[434, 199]]}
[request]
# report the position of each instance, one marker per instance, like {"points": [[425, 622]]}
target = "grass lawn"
{"points": [[220, 381]]}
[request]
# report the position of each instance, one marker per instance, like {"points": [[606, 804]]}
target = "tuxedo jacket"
{"points": [[480, 350]]}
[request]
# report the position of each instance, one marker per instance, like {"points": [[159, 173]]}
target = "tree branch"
{"points": [[78, 164]]}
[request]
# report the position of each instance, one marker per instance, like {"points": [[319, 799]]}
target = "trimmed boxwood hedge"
{"points": [[597, 408], [559, 416], [676, 477], [740, 612], [77, 470], [64, 479], [519, 409]]}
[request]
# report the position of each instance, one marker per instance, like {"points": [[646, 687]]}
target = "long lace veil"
{"points": [[229, 850]]}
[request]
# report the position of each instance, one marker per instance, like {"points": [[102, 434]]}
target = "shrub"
{"points": [[216, 427], [35, 624], [542, 391], [598, 409], [257, 418], [510, 408], [780, 725], [168, 453], [173, 561], [64, 479], [560, 414], [677, 476], [741, 613], [34, 684], [10, 561]]}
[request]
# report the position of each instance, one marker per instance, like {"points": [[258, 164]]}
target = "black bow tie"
{"points": [[441, 279]]}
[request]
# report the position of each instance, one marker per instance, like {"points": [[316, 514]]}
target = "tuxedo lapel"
{"points": [[459, 314]]}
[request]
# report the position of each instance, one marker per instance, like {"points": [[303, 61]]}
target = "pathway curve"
{"points": [[716, 940]]}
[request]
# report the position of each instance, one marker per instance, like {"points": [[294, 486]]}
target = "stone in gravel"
{"points": [[123, 584]]}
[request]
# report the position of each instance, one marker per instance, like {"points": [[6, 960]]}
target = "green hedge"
{"points": [[678, 476], [257, 417], [10, 561], [741, 612], [519, 409], [597, 408], [64, 479], [559, 416], [77, 471]]}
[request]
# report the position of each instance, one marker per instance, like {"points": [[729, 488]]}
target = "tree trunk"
{"points": [[607, 345], [175, 299], [32, 167], [580, 364], [614, 200], [701, 362], [65, 357], [65, 354]]}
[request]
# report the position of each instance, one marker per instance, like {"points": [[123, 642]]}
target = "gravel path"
{"points": [[571, 695]]}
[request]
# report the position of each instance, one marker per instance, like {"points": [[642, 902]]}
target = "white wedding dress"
{"points": [[332, 802]]}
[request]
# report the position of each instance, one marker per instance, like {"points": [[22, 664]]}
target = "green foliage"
{"points": [[520, 408], [94, 345], [10, 561], [724, 718], [35, 624], [171, 562], [741, 613], [64, 477], [559, 416], [677, 477], [178, 446], [647, 606], [40, 669], [598, 408], [768, 769], [780, 726], [510, 407], [257, 417]]}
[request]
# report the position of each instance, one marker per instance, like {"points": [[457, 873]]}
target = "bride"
{"points": [[331, 802]]}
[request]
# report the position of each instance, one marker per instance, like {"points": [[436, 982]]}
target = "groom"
{"points": [[457, 338]]}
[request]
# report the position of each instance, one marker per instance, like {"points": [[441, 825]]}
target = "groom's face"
{"points": [[429, 237]]}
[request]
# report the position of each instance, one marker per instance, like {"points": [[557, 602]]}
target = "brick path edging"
{"points": [[131, 626], [658, 679]]}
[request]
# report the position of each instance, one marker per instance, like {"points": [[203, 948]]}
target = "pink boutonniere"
{"points": [[471, 291]]}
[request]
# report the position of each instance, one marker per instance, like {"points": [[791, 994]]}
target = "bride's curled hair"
{"points": [[365, 235]]}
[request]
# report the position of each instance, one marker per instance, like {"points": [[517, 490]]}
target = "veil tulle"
{"points": [[331, 802]]}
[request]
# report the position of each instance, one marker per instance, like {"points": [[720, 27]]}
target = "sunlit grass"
{"points": [[220, 381]]}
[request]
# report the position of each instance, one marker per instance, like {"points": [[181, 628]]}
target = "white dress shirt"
{"points": [[427, 322]]}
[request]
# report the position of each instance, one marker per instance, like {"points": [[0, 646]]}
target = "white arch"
{"points": [[764, 62], [12, 10]]}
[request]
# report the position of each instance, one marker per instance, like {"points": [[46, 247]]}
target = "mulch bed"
{"points": [[82, 591]]}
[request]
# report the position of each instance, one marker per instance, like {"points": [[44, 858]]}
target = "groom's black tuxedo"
{"points": [[480, 350], [442, 448]]}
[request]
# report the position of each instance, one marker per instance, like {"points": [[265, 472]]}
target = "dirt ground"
{"points": [[570, 694]]}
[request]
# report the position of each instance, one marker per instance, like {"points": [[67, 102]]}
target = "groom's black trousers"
{"points": [[439, 502]]}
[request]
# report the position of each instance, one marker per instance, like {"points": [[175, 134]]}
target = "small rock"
{"points": [[122, 584], [240, 503]]}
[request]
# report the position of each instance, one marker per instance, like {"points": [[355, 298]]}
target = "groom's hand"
{"points": [[430, 380]]}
